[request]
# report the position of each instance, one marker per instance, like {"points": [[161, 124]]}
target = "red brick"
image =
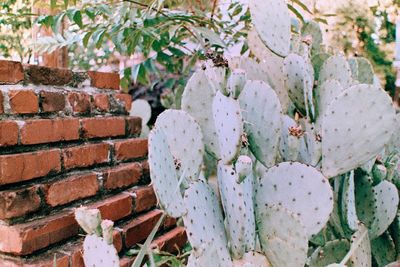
{"points": [[49, 130], [80, 102], [52, 101], [1, 103], [139, 228], [117, 240], [102, 102], [122, 176], [11, 72], [125, 261], [145, 198], [104, 80], [23, 101], [125, 100], [77, 257], [134, 126], [169, 222], [145, 168], [103, 127], [21, 167], [8, 133], [115, 208], [24, 239], [16, 203], [71, 189], [44, 260], [85, 155], [171, 241], [130, 149]]}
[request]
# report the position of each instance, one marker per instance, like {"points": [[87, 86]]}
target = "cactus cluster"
{"points": [[305, 152]]}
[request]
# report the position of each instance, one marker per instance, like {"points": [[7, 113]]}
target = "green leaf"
{"points": [[58, 21], [176, 52], [210, 36], [296, 12], [53, 4], [86, 38], [98, 36], [302, 5]]}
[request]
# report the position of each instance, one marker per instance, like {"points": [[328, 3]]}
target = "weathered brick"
{"points": [[47, 76], [125, 100], [1, 103], [21, 167], [171, 241], [145, 198], [8, 133], [122, 176], [71, 189], [134, 126], [126, 261], [115, 208], [77, 257], [52, 101], [16, 203], [11, 72], [85, 155], [104, 80], [139, 228], [169, 222], [103, 127], [102, 102], [23, 101], [43, 260], [117, 240], [145, 168], [24, 239], [49, 130], [130, 149], [80, 102]]}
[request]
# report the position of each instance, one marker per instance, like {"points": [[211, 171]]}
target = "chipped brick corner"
{"points": [[66, 140]]}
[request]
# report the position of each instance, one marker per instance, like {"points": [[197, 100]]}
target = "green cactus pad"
{"points": [[310, 147], [337, 68], [253, 69], [96, 252], [312, 28], [326, 93], [272, 21], [299, 82], [276, 221], [197, 101], [89, 220], [332, 252], [228, 123], [237, 201], [318, 61], [301, 189], [163, 174], [262, 114], [243, 167], [387, 200], [379, 173], [355, 128], [289, 144], [348, 204], [360, 249], [206, 256], [284, 254], [185, 140], [365, 200], [216, 77], [236, 82], [141, 108], [362, 70], [383, 250], [204, 222]]}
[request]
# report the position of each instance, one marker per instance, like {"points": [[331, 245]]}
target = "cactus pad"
{"points": [[362, 70], [312, 28], [336, 67], [284, 254], [301, 189], [228, 123], [89, 220], [326, 93], [204, 222], [243, 167], [252, 259], [163, 174], [197, 101], [262, 114], [356, 126], [141, 108], [383, 250], [236, 82], [360, 248], [237, 201], [348, 203], [185, 140], [96, 252], [291, 135], [272, 21], [318, 61]]}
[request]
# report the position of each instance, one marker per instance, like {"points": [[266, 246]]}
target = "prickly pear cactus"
{"points": [[337, 68]]}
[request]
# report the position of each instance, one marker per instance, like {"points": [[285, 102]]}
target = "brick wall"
{"points": [[66, 140]]}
